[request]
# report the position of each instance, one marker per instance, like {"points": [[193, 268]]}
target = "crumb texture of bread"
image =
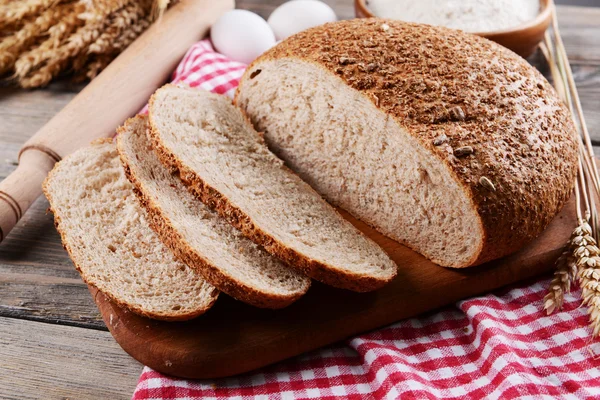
{"points": [[441, 140], [227, 165], [107, 235], [199, 236]]}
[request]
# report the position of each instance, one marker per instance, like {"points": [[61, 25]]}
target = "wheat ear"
{"points": [[15, 44], [564, 276], [582, 250], [120, 21], [100, 61], [16, 11], [60, 57], [99, 9], [57, 34]]}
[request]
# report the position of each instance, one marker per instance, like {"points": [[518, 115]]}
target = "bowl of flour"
{"points": [[517, 24]]}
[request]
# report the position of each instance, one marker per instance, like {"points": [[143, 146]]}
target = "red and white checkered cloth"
{"points": [[498, 346]]}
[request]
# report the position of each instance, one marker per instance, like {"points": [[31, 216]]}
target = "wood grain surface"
{"points": [[37, 280], [62, 362]]}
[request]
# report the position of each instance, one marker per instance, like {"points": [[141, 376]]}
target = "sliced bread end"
{"points": [[110, 243]]}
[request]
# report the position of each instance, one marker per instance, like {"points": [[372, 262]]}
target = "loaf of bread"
{"points": [[444, 141], [227, 165], [199, 236], [111, 244]]}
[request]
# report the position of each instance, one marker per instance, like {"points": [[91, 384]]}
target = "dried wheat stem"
{"points": [[560, 73], [581, 189], [548, 51], [584, 239], [571, 83]]}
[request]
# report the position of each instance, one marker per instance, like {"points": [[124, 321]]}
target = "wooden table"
{"points": [[53, 343]]}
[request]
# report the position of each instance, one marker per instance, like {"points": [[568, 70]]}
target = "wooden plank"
{"points": [[580, 31], [586, 3], [587, 78], [44, 361], [23, 112], [38, 280]]}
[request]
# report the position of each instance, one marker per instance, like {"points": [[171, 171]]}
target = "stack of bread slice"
{"points": [[190, 202]]}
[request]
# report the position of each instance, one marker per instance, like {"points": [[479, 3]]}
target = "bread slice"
{"points": [[226, 164], [441, 140], [199, 236], [108, 238]]}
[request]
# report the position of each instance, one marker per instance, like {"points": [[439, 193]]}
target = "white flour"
{"points": [[468, 15]]}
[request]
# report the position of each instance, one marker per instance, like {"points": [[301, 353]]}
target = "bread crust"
{"points": [[190, 256], [172, 316], [315, 269], [436, 81]]}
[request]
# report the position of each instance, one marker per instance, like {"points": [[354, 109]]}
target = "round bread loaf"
{"points": [[441, 140]]}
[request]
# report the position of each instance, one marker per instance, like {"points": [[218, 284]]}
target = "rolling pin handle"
{"points": [[24, 185]]}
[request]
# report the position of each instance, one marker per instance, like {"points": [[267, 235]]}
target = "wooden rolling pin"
{"points": [[116, 94]]}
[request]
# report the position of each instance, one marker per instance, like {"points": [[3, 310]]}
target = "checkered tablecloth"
{"points": [[498, 346]]}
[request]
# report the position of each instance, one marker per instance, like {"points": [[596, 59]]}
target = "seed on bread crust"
{"points": [[457, 113], [486, 183], [440, 140], [463, 151]]}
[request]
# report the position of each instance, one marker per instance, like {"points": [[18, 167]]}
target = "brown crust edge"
{"points": [[115, 299], [188, 255], [211, 197]]}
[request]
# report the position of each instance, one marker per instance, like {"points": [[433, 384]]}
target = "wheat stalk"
{"points": [[581, 257]]}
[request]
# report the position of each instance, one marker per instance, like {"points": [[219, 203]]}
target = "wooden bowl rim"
{"points": [[541, 19]]}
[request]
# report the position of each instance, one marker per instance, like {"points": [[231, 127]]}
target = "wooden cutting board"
{"points": [[232, 337]]}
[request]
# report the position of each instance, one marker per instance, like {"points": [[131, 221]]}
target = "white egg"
{"points": [[298, 15], [241, 35]]}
